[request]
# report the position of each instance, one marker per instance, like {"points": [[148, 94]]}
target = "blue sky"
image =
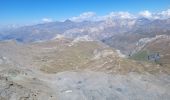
{"points": [[32, 11]]}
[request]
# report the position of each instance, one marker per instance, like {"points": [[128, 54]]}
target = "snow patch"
{"points": [[102, 54], [142, 42], [3, 60], [81, 39], [68, 91], [120, 54], [146, 40], [58, 36]]}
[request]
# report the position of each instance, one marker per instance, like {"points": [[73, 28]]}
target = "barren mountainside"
{"points": [[65, 69]]}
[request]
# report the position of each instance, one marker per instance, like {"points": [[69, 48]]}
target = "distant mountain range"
{"points": [[122, 34]]}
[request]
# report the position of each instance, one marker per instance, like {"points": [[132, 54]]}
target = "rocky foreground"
{"points": [[77, 71], [78, 85]]}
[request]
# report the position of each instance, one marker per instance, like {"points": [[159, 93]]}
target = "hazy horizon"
{"points": [[23, 12]]}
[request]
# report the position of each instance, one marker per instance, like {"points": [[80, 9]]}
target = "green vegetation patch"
{"points": [[141, 55]]}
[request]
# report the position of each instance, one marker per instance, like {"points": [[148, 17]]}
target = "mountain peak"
{"points": [[67, 21]]}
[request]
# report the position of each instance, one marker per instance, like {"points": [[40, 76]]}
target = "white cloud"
{"points": [[165, 14], [92, 16], [47, 20], [123, 15], [158, 15], [146, 14], [84, 16]]}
